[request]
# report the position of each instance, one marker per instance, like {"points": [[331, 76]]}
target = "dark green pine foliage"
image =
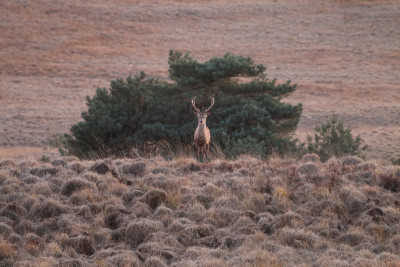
{"points": [[248, 115], [332, 139]]}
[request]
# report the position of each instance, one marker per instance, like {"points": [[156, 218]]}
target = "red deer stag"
{"points": [[202, 133]]}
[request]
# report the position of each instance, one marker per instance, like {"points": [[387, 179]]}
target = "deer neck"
{"points": [[201, 127]]}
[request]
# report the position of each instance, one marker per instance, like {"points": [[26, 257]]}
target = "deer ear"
{"points": [[208, 113]]}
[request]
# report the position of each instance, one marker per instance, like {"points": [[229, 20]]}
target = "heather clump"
{"points": [[137, 231], [74, 185], [76, 166], [390, 181], [59, 162], [82, 244], [135, 169], [311, 158], [154, 197], [5, 230], [297, 238], [42, 171], [47, 208], [7, 251]]}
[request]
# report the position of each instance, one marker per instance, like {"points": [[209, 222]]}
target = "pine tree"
{"points": [[248, 115], [332, 139]]}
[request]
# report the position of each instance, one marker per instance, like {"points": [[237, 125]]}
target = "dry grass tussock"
{"points": [[153, 212]]}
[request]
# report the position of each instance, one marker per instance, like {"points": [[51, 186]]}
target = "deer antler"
{"points": [[194, 105], [212, 104], [198, 110]]}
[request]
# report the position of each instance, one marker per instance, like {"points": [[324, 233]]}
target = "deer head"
{"points": [[202, 116]]}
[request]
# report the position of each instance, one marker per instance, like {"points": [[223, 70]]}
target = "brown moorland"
{"points": [[152, 212], [344, 56]]}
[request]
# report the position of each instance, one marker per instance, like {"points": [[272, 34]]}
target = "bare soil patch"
{"points": [[344, 55]]}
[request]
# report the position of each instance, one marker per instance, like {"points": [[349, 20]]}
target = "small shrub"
{"points": [[7, 163], [47, 208], [266, 224], [74, 185], [390, 182], [196, 212], [124, 259], [76, 166], [388, 259], [100, 168], [311, 158], [82, 197], [351, 160], [85, 212], [162, 213], [192, 233], [154, 262], [396, 161], [136, 232], [308, 169], [43, 171], [141, 210], [297, 238], [232, 241], [355, 204], [6, 250], [24, 226], [13, 211], [375, 212], [289, 219], [149, 248], [128, 197], [53, 249], [395, 241], [118, 235], [114, 220], [33, 244], [46, 227], [42, 189], [91, 177], [333, 139], [155, 197], [381, 232], [354, 200], [351, 239], [30, 179], [255, 201], [206, 201], [224, 216], [118, 189], [59, 163], [82, 245], [70, 263], [160, 170], [5, 230], [227, 201], [224, 167], [136, 169], [244, 226]]}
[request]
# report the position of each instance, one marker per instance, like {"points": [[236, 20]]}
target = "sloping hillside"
{"points": [[152, 212], [343, 54]]}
